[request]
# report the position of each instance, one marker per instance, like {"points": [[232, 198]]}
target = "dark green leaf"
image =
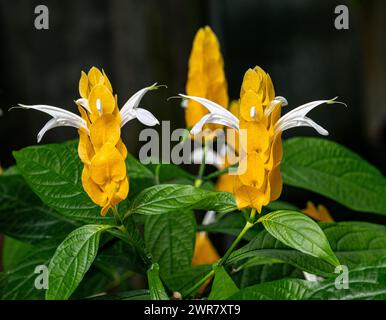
{"points": [[300, 232], [165, 198], [54, 173], [364, 282], [334, 171], [170, 240], [354, 243], [72, 259], [223, 286], [157, 290], [19, 281], [24, 217]]}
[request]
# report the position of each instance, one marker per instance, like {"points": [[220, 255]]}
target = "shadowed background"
{"points": [[139, 42]]}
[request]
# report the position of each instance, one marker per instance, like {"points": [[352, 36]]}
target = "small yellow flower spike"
{"points": [[100, 146], [206, 77], [319, 213], [102, 152], [261, 182], [204, 251]]}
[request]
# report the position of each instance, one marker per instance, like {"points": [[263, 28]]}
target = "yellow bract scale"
{"points": [[105, 129], [101, 101], [101, 149]]}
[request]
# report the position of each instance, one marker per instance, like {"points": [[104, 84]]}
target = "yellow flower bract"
{"points": [[102, 152], [259, 181], [206, 77]]}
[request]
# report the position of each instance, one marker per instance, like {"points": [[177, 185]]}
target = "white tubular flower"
{"points": [[131, 111], [298, 118], [217, 115], [61, 117]]}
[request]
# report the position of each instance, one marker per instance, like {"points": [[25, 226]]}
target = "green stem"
{"points": [[249, 224], [157, 170], [198, 285], [219, 173], [201, 170], [118, 219]]}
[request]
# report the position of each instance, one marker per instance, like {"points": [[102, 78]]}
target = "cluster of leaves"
{"points": [[49, 220]]}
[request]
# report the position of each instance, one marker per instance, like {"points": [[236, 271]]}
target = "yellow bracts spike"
{"points": [[259, 181], [206, 76], [102, 152]]}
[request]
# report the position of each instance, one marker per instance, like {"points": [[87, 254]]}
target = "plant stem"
{"points": [[198, 284], [116, 216], [198, 181], [157, 170], [249, 224]]}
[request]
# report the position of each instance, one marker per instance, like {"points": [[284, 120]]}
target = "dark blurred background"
{"points": [[139, 42]]}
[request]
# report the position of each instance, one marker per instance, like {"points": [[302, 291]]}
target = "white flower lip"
{"points": [[217, 115], [130, 109], [61, 117], [298, 118]]}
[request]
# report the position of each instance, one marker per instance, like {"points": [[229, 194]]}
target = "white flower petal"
{"points": [[210, 217], [84, 103], [60, 116], [211, 157], [212, 118], [215, 108], [132, 103], [301, 112], [146, 117], [303, 122]]}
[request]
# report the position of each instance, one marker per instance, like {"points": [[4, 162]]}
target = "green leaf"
{"points": [[364, 282], [300, 232], [136, 170], [249, 275], [168, 172], [165, 198], [354, 243], [157, 290], [72, 259], [184, 279], [332, 170], [14, 251], [170, 240], [54, 173], [223, 286], [24, 217], [19, 280], [127, 295]]}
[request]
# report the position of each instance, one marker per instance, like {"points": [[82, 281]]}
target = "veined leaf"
{"points": [[165, 198], [72, 259], [54, 171], [184, 279], [364, 282], [353, 243], [300, 232], [24, 217], [170, 240], [332, 170], [19, 280], [14, 251], [157, 290], [223, 286]]}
